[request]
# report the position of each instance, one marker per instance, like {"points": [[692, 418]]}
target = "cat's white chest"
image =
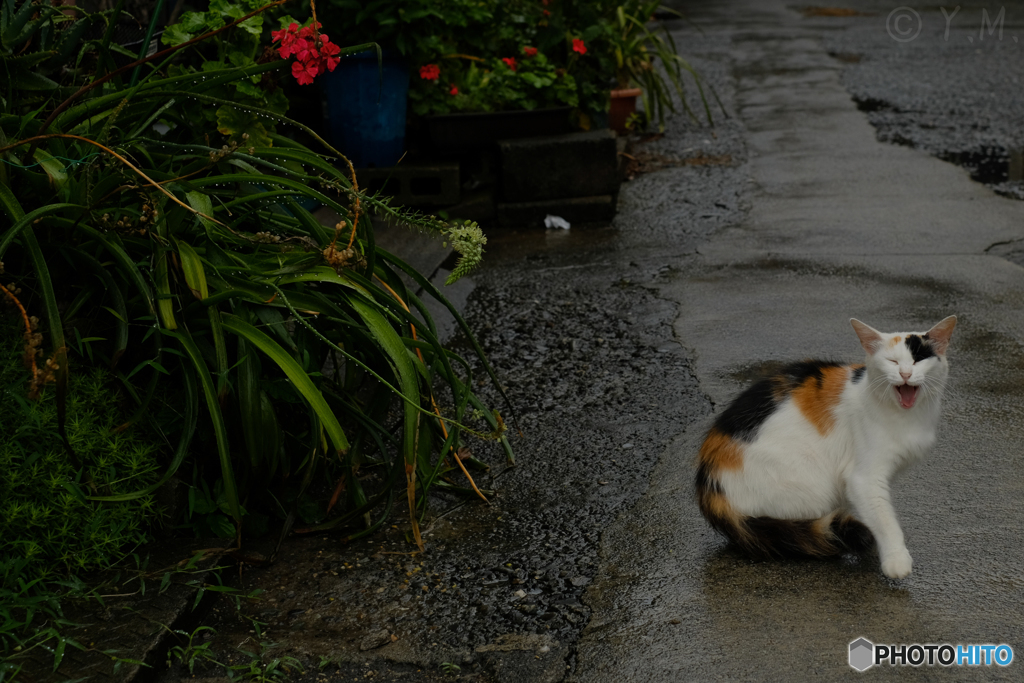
{"points": [[909, 437], [915, 445]]}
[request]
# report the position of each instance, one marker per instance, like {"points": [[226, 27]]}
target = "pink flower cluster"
{"points": [[314, 53]]}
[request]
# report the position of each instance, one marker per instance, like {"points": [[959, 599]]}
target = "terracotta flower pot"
{"points": [[623, 104]]}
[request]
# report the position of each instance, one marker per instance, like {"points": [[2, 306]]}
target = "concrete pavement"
{"points": [[839, 225]]}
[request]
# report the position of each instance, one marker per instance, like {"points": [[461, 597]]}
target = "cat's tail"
{"points": [[833, 534], [767, 537]]}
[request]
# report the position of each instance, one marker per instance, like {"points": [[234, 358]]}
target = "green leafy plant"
{"points": [[262, 666], [412, 29], [193, 652], [522, 54], [460, 84], [451, 669], [32, 619], [239, 48], [32, 616], [648, 58], [262, 348], [504, 56]]}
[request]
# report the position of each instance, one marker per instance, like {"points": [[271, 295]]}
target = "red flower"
{"points": [[529, 51], [547, 13], [328, 50], [454, 90], [309, 60], [510, 61], [430, 72], [305, 72], [578, 46], [290, 44], [304, 51], [280, 35], [307, 31]]}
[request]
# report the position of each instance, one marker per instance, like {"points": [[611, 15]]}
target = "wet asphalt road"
{"points": [[837, 225]]}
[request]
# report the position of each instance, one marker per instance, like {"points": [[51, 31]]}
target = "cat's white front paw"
{"points": [[898, 564]]}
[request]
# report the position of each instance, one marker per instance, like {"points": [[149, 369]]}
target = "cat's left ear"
{"points": [[940, 334]]}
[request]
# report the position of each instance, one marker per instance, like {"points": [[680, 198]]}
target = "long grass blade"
{"points": [[392, 345], [429, 287], [303, 384], [217, 418]]}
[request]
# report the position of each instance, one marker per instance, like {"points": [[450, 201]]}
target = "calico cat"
{"points": [[800, 463]]}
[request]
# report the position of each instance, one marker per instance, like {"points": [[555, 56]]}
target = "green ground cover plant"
{"points": [[45, 517]]}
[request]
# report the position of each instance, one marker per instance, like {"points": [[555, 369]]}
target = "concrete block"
{"points": [[579, 211], [572, 165], [414, 184]]}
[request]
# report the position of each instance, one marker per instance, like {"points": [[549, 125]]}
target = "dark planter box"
{"points": [[558, 166], [461, 132]]}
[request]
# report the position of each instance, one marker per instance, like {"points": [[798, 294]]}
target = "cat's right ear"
{"points": [[870, 338]]}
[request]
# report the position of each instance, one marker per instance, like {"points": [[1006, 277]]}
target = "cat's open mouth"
{"points": [[908, 395]]}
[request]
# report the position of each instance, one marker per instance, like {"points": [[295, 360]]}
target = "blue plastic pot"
{"points": [[366, 108]]}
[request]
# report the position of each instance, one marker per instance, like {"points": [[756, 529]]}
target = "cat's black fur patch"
{"points": [[750, 409], [919, 348], [853, 534], [797, 373], [858, 374], [770, 538], [748, 412]]}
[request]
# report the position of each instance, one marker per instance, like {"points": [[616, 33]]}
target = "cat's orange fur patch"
{"points": [[721, 452], [717, 510], [821, 526], [717, 505], [895, 340], [817, 399]]}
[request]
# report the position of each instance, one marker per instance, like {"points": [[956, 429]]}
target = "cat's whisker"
{"points": [[880, 386]]}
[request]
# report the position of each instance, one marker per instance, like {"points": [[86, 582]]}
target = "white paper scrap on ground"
{"points": [[555, 222]]}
